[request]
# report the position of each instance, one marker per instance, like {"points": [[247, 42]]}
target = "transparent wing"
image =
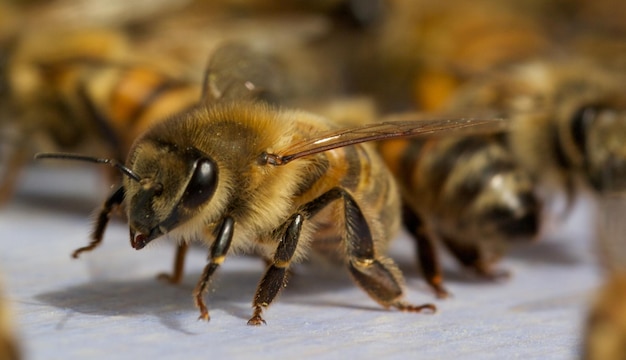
{"points": [[396, 127], [236, 71]]}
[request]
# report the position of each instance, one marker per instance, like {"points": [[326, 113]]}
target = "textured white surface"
{"points": [[108, 304]]}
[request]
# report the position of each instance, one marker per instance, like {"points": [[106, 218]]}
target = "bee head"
{"points": [[176, 182]]}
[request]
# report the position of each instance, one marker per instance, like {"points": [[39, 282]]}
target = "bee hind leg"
{"points": [[378, 276]]}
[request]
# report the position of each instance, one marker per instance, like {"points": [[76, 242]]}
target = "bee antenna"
{"points": [[116, 164]]}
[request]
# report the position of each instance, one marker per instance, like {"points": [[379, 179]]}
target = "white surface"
{"points": [[109, 302]]}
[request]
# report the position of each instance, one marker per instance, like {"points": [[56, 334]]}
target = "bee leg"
{"points": [[179, 262], [13, 169], [275, 275], [470, 256], [378, 276], [217, 253], [101, 223], [426, 252]]}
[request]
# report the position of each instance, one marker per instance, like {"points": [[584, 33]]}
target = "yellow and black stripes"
{"points": [[468, 192]]}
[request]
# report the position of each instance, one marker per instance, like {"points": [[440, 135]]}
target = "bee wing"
{"points": [[396, 127], [611, 231], [237, 71]]}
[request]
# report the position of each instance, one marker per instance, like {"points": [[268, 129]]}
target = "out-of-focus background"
{"points": [[82, 76]]}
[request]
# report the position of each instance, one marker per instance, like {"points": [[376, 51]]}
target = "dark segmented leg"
{"points": [[377, 275], [469, 256], [216, 257], [426, 252], [179, 263], [275, 276], [101, 223]]}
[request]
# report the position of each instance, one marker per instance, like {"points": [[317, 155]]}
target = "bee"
{"points": [[468, 193], [476, 193], [81, 96], [605, 330], [245, 175], [568, 122], [9, 350]]}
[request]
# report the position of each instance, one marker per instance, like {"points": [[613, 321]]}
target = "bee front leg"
{"points": [[426, 252], [377, 275], [216, 257], [101, 223]]}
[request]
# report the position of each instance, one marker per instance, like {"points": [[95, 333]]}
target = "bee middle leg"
{"points": [[276, 274]]}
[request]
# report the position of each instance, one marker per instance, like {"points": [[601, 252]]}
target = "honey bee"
{"points": [[9, 349], [605, 332], [566, 129], [568, 123], [244, 175], [468, 193]]}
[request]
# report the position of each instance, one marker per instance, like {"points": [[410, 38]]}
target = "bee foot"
{"points": [[256, 320], [204, 315], [402, 306], [168, 278]]}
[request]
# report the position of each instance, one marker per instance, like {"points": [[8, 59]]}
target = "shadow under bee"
{"points": [[231, 292]]}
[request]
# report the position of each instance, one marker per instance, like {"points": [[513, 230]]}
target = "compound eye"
{"points": [[202, 184]]}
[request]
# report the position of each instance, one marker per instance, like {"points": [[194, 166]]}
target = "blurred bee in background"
{"points": [[9, 349], [476, 193], [605, 331], [82, 94], [568, 125], [568, 122], [468, 193]]}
